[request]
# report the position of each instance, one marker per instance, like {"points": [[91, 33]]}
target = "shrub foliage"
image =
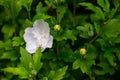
{"points": [[91, 25]]}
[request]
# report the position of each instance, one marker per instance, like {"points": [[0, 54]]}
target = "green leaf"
{"points": [[76, 64], [8, 45], [104, 4], [106, 68], [84, 65], [27, 23], [111, 29], [86, 31], [102, 43], [58, 74], [51, 3], [27, 4], [114, 10], [36, 60], [25, 58], [21, 71], [49, 55], [17, 41], [69, 35], [110, 57], [1, 44], [16, 6], [12, 7], [44, 78], [40, 8], [66, 53], [12, 55], [61, 11], [98, 12], [97, 27], [41, 16], [8, 31], [118, 53]]}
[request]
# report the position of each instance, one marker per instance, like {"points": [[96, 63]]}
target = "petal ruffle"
{"points": [[31, 47], [28, 34], [41, 27], [50, 42]]}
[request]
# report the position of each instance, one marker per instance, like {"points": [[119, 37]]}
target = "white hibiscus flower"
{"points": [[38, 36]]}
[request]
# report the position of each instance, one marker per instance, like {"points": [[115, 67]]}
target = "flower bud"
{"points": [[83, 51], [57, 27], [34, 72]]}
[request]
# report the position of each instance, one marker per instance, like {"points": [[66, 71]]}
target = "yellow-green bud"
{"points": [[83, 51], [34, 72], [57, 27]]}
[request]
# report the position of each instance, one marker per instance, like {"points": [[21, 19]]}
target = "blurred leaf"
{"points": [[27, 4], [27, 23], [97, 27], [41, 16], [104, 4], [84, 65], [69, 35], [51, 3], [2, 17], [110, 57], [91, 53], [106, 68], [40, 8], [17, 71], [98, 12], [12, 7], [25, 58], [66, 53], [49, 55], [118, 53], [16, 6], [111, 29], [8, 45], [4, 3], [114, 10], [44, 78], [102, 43], [58, 74], [61, 12], [86, 31], [17, 41], [1, 44], [76, 64], [8, 31], [36, 60], [12, 55], [116, 40]]}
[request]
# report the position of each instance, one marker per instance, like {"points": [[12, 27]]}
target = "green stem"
{"points": [[57, 12], [34, 78], [57, 48], [74, 12], [29, 15], [99, 33]]}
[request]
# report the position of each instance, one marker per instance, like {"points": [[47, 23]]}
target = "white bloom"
{"points": [[38, 36]]}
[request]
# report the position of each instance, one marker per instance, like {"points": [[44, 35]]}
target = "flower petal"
{"points": [[50, 42], [41, 27], [28, 34], [31, 43], [31, 47]]}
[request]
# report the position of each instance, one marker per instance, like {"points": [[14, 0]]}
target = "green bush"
{"points": [[86, 40]]}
